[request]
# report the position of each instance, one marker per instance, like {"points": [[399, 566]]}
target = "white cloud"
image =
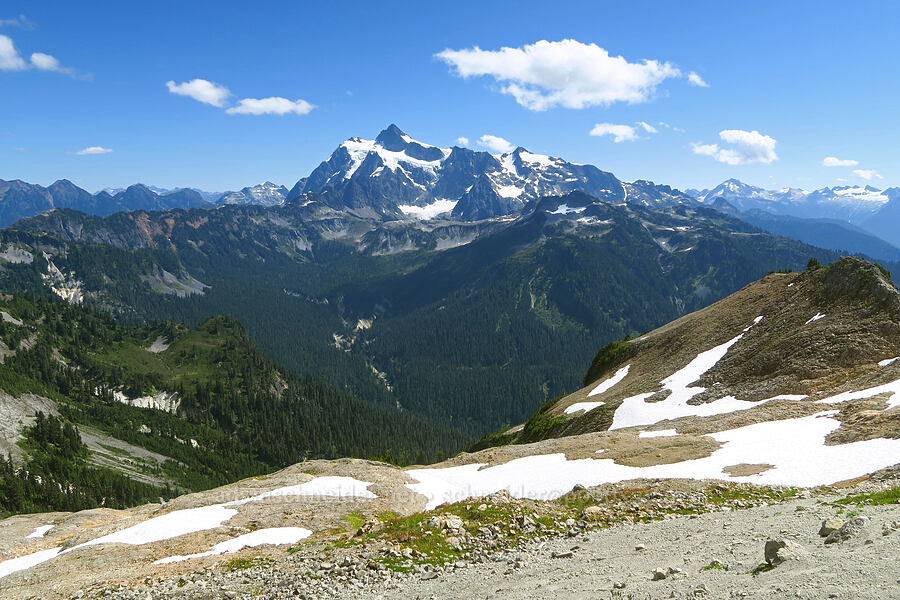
{"points": [[462, 141], [20, 21], [93, 150], [9, 56], [746, 147], [833, 161], [619, 133], [867, 174], [201, 90], [494, 143], [695, 80], [672, 127], [567, 73], [270, 106], [214, 94], [11, 60], [647, 127], [46, 62]]}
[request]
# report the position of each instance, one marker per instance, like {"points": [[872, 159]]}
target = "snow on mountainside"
{"points": [[396, 176], [264, 194], [849, 203]]}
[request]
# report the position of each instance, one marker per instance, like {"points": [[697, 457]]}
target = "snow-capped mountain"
{"points": [[265, 194], [849, 203], [396, 176]]}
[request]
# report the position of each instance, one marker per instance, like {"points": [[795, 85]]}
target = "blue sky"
{"points": [[812, 79]]}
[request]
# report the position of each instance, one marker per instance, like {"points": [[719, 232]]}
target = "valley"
{"points": [[741, 402]]}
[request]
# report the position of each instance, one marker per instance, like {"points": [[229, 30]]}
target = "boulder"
{"points": [[782, 550], [592, 513], [848, 530], [829, 526]]}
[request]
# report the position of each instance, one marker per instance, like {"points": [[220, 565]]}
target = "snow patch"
{"points": [[39, 532], [583, 406], [564, 209], [636, 411], [168, 526], [540, 159], [815, 318], [429, 211], [609, 383], [274, 536], [13, 565], [795, 447], [192, 520], [509, 191], [892, 388], [657, 433], [887, 361], [359, 148], [330, 486]]}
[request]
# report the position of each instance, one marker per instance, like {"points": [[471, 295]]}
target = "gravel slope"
{"points": [[853, 569], [617, 562]]}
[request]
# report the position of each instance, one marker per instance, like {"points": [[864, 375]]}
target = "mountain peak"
{"points": [[393, 139]]}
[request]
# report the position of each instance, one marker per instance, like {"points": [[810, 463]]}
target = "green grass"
{"points": [[891, 496], [714, 565], [761, 568], [239, 564], [355, 518]]}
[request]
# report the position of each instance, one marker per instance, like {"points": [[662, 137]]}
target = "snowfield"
{"points": [[795, 449], [274, 536], [635, 410], [192, 520]]}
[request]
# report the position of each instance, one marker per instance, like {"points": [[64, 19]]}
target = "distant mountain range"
{"points": [[397, 178], [391, 177], [851, 211], [854, 204], [264, 194], [19, 199]]}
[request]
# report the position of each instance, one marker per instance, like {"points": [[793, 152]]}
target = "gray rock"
{"points": [[829, 526], [849, 530], [591, 513], [781, 550]]}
